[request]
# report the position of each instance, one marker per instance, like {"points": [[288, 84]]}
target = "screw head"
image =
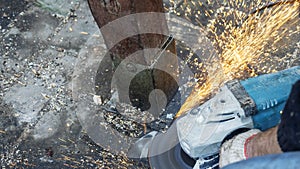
{"points": [[194, 112]]}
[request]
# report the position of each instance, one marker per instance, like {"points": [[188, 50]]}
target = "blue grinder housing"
{"points": [[270, 93]]}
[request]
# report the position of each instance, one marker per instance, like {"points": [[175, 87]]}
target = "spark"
{"points": [[243, 48]]}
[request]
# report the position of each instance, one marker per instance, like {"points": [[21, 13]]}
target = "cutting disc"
{"points": [[165, 152]]}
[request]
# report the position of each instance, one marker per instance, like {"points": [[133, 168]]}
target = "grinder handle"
{"points": [[270, 92]]}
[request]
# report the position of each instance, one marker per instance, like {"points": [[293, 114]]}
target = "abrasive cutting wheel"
{"points": [[174, 158], [165, 152]]}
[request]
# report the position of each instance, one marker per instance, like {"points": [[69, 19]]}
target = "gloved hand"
{"points": [[234, 150]]}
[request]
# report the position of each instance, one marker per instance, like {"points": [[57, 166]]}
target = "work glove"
{"points": [[234, 150]]}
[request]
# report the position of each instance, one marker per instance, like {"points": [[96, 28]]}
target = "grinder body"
{"points": [[253, 103]]}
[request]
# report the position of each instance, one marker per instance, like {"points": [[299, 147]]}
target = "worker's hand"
{"points": [[234, 150]]}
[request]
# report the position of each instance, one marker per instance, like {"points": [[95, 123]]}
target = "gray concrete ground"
{"points": [[40, 43]]}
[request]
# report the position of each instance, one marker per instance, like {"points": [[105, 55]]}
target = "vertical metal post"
{"points": [[105, 11]]}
